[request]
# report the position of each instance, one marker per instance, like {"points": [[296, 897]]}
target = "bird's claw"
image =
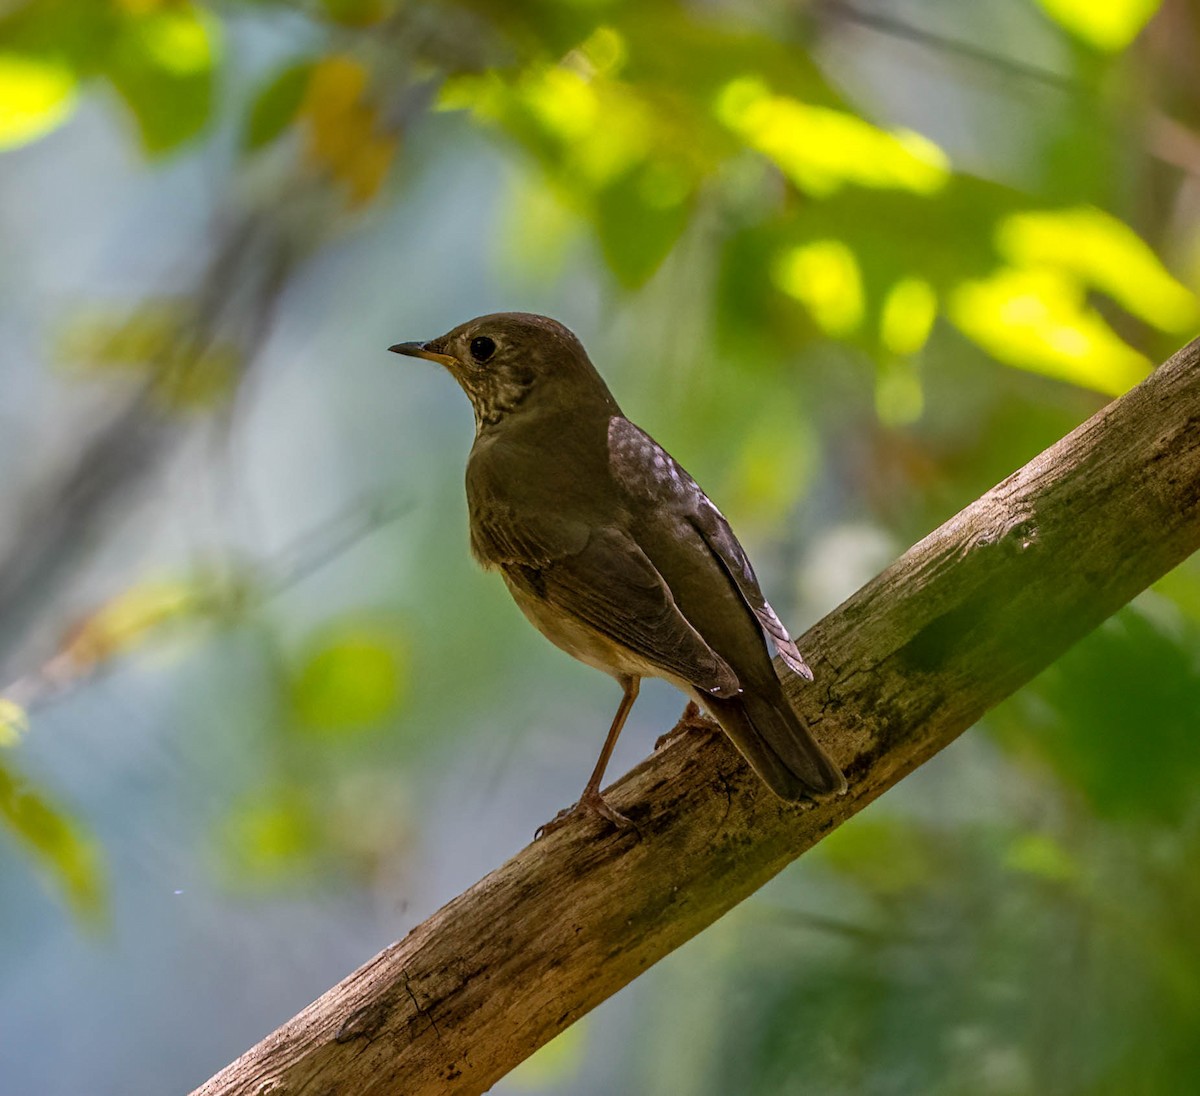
{"points": [[589, 803], [693, 720]]}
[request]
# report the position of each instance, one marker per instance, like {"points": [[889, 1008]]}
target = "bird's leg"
{"points": [[591, 800], [693, 720]]}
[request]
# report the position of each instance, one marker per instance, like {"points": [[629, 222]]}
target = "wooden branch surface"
{"points": [[959, 622]]}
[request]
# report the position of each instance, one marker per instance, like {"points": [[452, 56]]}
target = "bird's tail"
{"points": [[771, 736]]}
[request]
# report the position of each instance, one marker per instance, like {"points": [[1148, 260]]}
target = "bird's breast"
{"points": [[568, 633]]}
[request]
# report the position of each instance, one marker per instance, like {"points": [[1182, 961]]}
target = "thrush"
{"points": [[613, 551]]}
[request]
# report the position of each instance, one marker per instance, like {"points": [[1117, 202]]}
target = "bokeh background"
{"points": [[852, 262]]}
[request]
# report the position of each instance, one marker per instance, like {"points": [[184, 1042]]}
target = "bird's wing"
{"points": [[650, 473], [598, 575], [614, 588]]}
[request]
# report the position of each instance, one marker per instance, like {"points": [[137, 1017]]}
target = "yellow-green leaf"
{"points": [[825, 276], [1105, 253], [1038, 320], [1106, 24], [908, 314], [37, 94], [61, 848], [821, 149]]}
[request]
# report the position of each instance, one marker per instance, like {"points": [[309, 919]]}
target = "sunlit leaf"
{"points": [[908, 314], [276, 104], [354, 677], [37, 94], [558, 110], [619, 161], [821, 149], [824, 275], [1037, 319], [177, 38], [14, 722], [1102, 252], [1106, 24], [64, 852]]}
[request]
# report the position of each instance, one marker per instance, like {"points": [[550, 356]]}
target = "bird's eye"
{"points": [[482, 348]]}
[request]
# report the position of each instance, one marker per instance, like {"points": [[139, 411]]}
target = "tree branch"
{"points": [[959, 622]]}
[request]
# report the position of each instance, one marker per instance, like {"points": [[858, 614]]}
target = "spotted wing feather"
{"points": [[661, 479]]}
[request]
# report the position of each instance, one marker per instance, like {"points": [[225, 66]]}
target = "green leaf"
{"points": [[63, 851], [276, 105], [638, 220], [271, 836], [354, 676], [162, 65]]}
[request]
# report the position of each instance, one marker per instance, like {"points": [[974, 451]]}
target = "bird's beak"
{"points": [[423, 350]]}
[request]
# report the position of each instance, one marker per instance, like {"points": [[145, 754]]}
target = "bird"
{"points": [[615, 554]]}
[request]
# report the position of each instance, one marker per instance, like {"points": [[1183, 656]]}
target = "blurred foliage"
{"points": [[989, 959], [160, 56], [1132, 752], [1110, 25], [640, 141], [63, 849], [353, 676], [159, 343], [554, 1064], [859, 297]]}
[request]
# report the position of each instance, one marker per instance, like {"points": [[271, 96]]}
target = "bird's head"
{"points": [[509, 362]]}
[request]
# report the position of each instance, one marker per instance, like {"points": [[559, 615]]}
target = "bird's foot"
{"points": [[591, 802], [692, 721]]}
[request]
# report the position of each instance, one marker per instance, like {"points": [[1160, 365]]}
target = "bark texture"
{"points": [[959, 622]]}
